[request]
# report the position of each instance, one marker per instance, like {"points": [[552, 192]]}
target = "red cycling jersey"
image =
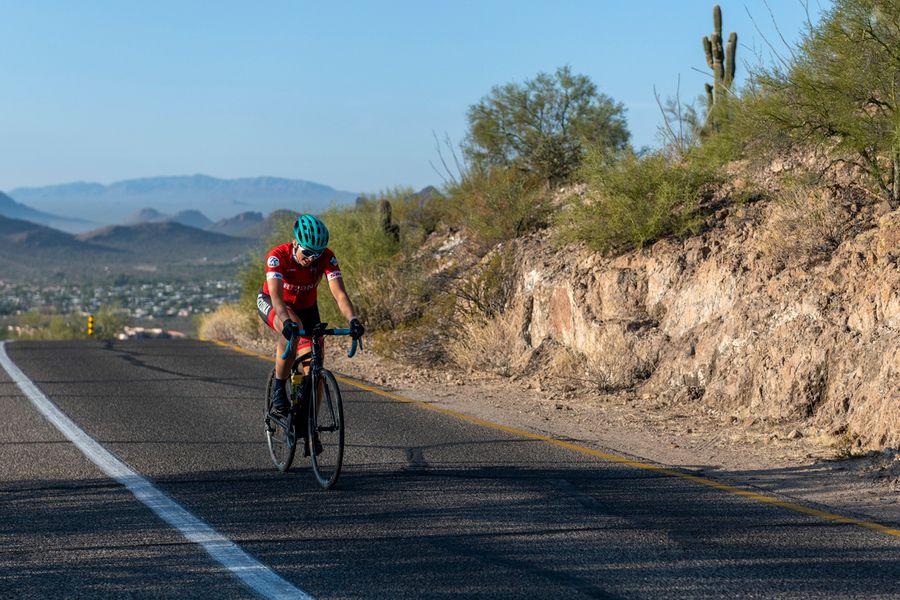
{"points": [[300, 283]]}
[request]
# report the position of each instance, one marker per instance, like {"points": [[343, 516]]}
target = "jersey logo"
{"points": [[333, 261], [334, 275], [273, 261], [273, 275]]}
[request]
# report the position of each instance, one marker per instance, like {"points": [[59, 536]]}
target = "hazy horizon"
{"points": [[174, 176]]}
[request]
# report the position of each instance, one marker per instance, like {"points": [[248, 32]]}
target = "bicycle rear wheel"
{"points": [[326, 424], [281, 435]]}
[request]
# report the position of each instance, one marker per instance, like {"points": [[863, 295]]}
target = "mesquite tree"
{"points": [[541, 127], [841, 90]]}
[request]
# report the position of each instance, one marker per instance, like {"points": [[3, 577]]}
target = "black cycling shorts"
{"points": [[309, 317]]}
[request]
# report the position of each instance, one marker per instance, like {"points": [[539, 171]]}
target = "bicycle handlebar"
{"points": [[302, 333]]}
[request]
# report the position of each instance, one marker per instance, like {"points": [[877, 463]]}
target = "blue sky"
{"points": [[346, 94]]}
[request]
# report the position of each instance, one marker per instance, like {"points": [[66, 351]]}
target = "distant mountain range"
{"points": [[246, 224], [39, 253], [15, 210], [79, 207], [191, 218]]}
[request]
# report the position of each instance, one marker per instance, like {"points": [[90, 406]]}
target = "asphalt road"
{"points": [[428, 506]]}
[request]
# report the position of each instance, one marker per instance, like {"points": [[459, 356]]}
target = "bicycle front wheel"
{"points": [[281, 435], [326, 428]]}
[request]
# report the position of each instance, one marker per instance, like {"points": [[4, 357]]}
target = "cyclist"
{"points": [[287, 299]]}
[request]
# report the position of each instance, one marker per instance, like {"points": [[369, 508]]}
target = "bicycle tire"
{"points": [[326, 422], [281, 440]]}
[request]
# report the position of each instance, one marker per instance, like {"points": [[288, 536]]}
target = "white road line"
{"points": [[252, 572]]}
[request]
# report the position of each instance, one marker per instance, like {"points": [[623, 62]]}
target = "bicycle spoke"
{"points": [[326, 421], [280, 435]]}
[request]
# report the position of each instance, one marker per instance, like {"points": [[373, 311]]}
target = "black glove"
{"points": [[290, 330], [356, 329]]}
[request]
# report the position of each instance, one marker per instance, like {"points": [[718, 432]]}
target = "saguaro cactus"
{"points": [[392, 229], [721, 61]]}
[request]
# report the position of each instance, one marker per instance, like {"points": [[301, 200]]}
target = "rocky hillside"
{"points": [[764, 317]]}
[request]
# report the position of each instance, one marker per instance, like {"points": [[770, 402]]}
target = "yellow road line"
{"points": [[723, 487]]}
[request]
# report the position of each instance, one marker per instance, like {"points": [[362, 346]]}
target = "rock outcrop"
{"points": [[723, 320]]}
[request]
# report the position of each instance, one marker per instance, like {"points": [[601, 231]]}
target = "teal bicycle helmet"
{"points": [[311, 233]]}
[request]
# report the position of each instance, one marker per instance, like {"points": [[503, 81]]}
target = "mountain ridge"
{"points": [[216, 198], [12, 209], [34, 251]]}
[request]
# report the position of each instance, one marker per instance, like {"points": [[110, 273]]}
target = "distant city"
{"points": [[158, 300]]}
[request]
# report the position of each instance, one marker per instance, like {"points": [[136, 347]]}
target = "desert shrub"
{"points": [[228, 323], [481, 344], [684, 138], [633, 200], [499, 203], [484, 333], [804, 227], [37, 325], [486, 291], [109, 321], [411, 215], [365, 252], [540, 126], [421, 335], [839, 90], [727, 143], [251, 276]]}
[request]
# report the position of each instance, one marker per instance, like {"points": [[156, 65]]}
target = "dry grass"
{"points": [[803, 228], [228, 323], [487, 345]]}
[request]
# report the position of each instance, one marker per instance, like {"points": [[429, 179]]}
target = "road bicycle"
{"points": [[316, 415]]}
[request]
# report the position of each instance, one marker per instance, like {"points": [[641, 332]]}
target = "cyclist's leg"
{"points": [[279, 402], [268, 316], [308, 318]]}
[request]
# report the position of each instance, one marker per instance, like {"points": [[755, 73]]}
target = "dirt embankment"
{"points": [[769, 318]]}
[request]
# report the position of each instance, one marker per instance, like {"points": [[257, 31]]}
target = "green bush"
{"points": [[839, 91], [683, 135], [37, 325], [486, 292], [414, 214], [633, 200], [499, 203], [541, 126], [365, 253], [109, 321]]}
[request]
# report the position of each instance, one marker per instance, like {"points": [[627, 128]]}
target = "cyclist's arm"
{"points": [[336, 285], [276, 289]]}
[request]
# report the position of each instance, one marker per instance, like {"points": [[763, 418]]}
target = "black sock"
{"points": [[279, 384]]}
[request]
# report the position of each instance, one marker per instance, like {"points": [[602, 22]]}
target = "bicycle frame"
{"points": [[304, 419], [316, 359]]}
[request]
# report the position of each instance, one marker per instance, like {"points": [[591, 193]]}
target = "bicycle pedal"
{"points": [[282, 420]]}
